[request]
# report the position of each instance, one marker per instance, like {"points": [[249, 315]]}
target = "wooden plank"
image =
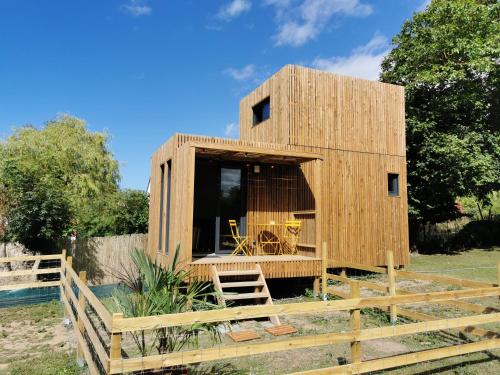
{"points": [[466, 306], [324, 275], [356, 266], [356, 352], [443, 279], [406, 359], [230, 297], [283, 329], [248, 312], [202, 355], [239, 272], [391, 276], [243, 336], [25, 258], [240, 284], [43, 271], [97, 305], [80, 339], [257, 150], [35, 284], [81, 309], [82, 318]]}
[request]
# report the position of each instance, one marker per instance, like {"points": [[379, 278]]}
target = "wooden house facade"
{"points": [[324, 149]]}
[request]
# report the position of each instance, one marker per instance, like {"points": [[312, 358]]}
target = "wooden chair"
{"points": [[292, 232], [241, 241]]}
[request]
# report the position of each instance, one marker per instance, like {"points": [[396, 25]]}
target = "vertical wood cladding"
{"points": [[359, 127]]}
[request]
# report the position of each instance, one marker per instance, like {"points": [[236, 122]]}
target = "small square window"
{"points": [[393, 184], [261, 111]]}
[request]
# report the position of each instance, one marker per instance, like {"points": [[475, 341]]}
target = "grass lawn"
{"points": [[473, 264], [34, 341]]}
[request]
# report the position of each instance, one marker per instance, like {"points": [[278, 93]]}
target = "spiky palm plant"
{"points": [[153, 290]]}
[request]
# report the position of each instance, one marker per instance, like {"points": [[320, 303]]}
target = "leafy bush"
{"points": [[153, 290]]}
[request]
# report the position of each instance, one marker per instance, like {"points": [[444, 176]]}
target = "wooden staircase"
{"points": [[230, 283]]}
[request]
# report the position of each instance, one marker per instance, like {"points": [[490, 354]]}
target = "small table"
{"points": [[267, 235]]}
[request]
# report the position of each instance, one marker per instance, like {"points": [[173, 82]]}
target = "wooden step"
{"points": [[241, 284], [245, 296], [239, 273], [281, 330], [243, 336]]}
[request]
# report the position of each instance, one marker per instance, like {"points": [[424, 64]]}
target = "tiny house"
{"points": [[323, 149]]}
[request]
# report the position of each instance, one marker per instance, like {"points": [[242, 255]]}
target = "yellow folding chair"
{"points": [[292, 232], [241, 241]]}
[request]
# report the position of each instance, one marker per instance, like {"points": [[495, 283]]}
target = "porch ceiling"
{"points": [[254, 154]]}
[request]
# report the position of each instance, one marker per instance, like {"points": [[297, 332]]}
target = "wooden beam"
{"points": [[248, 312], [35, 284], [218, 353], [25, 258], [406, 359], [29, 272], [356, 353], [257, 150], [97, 305], [392, 285], [443, 279]]}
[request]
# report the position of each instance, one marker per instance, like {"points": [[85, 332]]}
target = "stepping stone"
{"points": [[281, 330], [243, 336]]}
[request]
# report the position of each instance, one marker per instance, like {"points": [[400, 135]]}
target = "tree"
{"points": [[447, 57], [50, 177], [124, 212]]}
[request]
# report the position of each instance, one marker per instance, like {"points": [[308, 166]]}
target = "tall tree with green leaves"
{"points": [[49, 178], [448, 57]]}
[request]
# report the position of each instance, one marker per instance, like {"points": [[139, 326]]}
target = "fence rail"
{"points": [[99, 333]]}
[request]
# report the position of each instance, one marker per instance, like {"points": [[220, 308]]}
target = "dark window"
{"points": [[393, 184], [167, 216], [162, 191], [261, 111]]}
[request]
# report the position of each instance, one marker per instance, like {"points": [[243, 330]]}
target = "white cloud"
{"points": [[363, 62], [423, 5], [242, 74], [299, 24], [232, 130], [137, 8], [234, 9]]}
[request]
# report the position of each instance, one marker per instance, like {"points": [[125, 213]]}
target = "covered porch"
{"points": [[260, 189]]}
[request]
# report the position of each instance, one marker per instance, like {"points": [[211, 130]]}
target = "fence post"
{"points": [[324, 265], [115, 349], [81, 303], [356, 354], [391, 275], [67, 275]]}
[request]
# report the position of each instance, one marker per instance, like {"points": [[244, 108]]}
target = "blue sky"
{"points": [[144, 69]]}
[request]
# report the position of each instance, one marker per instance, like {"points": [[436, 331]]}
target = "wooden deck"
{"points": [[273, 266]]}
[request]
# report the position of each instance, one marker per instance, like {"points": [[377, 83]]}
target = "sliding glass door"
{"points": [[220, 196]]}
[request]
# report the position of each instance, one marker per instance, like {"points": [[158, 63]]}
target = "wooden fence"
{"points": [[99, 333]]}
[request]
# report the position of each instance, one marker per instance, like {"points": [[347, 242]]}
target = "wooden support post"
{"points": [[324, 265], [81, 302], [316, 286], [356, 354], [69, 264], [343, 273], [115, 349], [391, 275]]}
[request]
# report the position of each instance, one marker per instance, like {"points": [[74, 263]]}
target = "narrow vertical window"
{"points": [[393, 184], [167, 216], [162, 190]]}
